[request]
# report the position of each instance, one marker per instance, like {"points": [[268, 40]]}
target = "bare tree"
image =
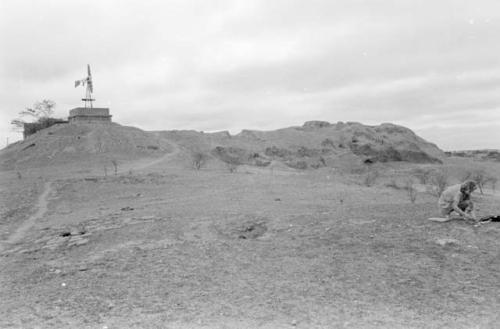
{"points": [[39, 112], [43, 109]]}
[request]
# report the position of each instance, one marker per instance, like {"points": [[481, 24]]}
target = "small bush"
{"points": [[439, 181], [493, 182], [411, 191], [199, 159], [115, 165], [233, 155], [423, 175], [274, 151]]}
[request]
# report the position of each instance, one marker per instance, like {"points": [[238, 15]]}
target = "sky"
{"points": [[212, 65]]}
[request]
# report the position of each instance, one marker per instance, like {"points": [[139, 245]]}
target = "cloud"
{"points": [[230, 65]]}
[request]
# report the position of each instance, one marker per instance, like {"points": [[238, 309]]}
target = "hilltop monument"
{"points": [[88, 113]]}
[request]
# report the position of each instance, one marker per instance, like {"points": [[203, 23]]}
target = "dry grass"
{"points": [[319, 252]]}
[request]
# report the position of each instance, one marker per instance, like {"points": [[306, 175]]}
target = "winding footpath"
{"points": [[136, 166], [41, 207], [42, 203]]}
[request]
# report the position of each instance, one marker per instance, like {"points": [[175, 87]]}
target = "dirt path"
{"points": [[41, 207], [139, 166]]}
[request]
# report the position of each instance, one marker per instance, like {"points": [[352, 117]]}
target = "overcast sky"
{"points": [[433, 66]]}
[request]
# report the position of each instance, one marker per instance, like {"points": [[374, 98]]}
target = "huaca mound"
{"points": [[313, 145], [66, 143]]}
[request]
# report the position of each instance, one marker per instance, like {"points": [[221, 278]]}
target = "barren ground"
{"points": [[168, 247]]}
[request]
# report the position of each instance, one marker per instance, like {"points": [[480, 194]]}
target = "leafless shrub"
{"points": [[114, 162], [411, 191], [199, 159], [439, 181], [423, 175], [493, 182], [481, 178]]}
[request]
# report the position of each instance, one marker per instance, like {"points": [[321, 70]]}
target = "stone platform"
{"points": [[89, 115]]}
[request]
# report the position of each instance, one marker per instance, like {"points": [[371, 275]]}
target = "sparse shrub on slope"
{"points": [[423, 175], [114, 162], [274, 151], [304, 152], [234, 156], [231, 155], [198, 159], [439, 182], [411, 191], [328, 143], [481, 178], [321, 163]]}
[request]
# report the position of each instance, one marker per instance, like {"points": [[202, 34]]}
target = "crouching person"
{"points": [[456, 198]]}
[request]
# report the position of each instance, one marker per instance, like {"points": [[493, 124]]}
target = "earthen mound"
{"points": [[66, 143]]}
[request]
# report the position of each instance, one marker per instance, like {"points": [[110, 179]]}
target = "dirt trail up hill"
{"points": [[41, 207]]}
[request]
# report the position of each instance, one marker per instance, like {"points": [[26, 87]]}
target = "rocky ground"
{"points": [[160, 245]]}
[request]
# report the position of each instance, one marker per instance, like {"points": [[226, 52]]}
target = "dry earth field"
{"points": [[161, 245]]}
